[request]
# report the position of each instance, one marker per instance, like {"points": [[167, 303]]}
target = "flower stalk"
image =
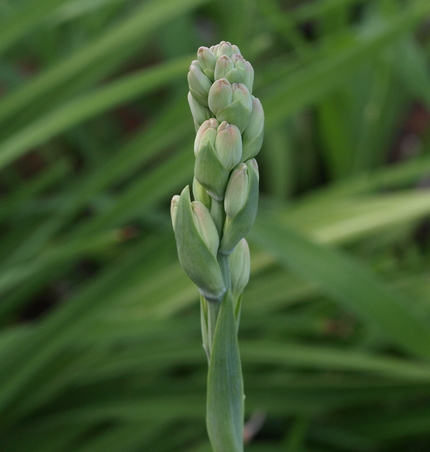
{"points": [[210, 230]]}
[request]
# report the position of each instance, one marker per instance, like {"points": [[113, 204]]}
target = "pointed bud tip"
{"points": [[240, 263], [174, 209], [185, 192], [224, 58], [213, 123], [205, 226], [254, 165], [223, 82], [175, 199]]}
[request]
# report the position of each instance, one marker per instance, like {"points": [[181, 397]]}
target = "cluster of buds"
{"points": [[210, 231], [229, 123]]}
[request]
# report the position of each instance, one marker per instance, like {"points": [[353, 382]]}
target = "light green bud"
{"points": [[200, 194], [240, 204], [218, 149], [235, 69], [206, 226], [199, 84], [220, 95], [243, 72], [224, 48], [207, 61], [224, 65], [200, 113], [197, 243], [228, 145], [174, 209], [230, 102], [237, 190], [240, 263], [254, 133], [208, 168], [207, 132]]}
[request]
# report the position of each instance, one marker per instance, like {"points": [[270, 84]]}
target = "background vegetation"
{"points": [[100, 347]]}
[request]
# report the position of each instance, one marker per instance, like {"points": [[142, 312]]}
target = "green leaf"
{"points": [[349, 282], [27, 18], [305, 86], [78, 110], [144, 19]]}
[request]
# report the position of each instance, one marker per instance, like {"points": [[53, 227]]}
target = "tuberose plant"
{"points": [[210, 230]]}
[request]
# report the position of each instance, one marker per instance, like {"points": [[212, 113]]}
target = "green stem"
{"points": [[218, 215], [224, 263], [225, 400], [213, 310], [214, 307]]}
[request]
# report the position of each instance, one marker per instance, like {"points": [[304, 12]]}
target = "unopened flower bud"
{"points": [[199, 84], [230, 102], [200, 112], [197, 243], [208, 168], [228, 145], [243, 72], [207, 61], [224, 48], [240, 263], [220, 95], [217, 152], [237, 190], [240, 204], [200, 194], [254, 133], [205, 226], [223, 66], [174, 209], [235, 69], [207, 132]]}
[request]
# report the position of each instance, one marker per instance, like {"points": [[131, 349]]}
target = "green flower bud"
{"points": [[205, 225], [208, 168], [200, 194], [235, 69], [200, 113], [197, 243], [220, 95], [228, 145], [224, 48], [218, 149], [230, 102], [254, 133], [199, 84], [240, 204], [207, 61], [207, 132], [174, 209], [243, 72], [237, 190], [240, 263], [223, 66]]}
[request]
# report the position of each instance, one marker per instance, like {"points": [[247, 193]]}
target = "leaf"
{"points": [[307, 85], [27, 18], [349, 282], [143, 20], [77, 110]]}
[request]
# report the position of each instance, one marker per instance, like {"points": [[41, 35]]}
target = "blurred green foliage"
{"points": [[99, 343]]}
